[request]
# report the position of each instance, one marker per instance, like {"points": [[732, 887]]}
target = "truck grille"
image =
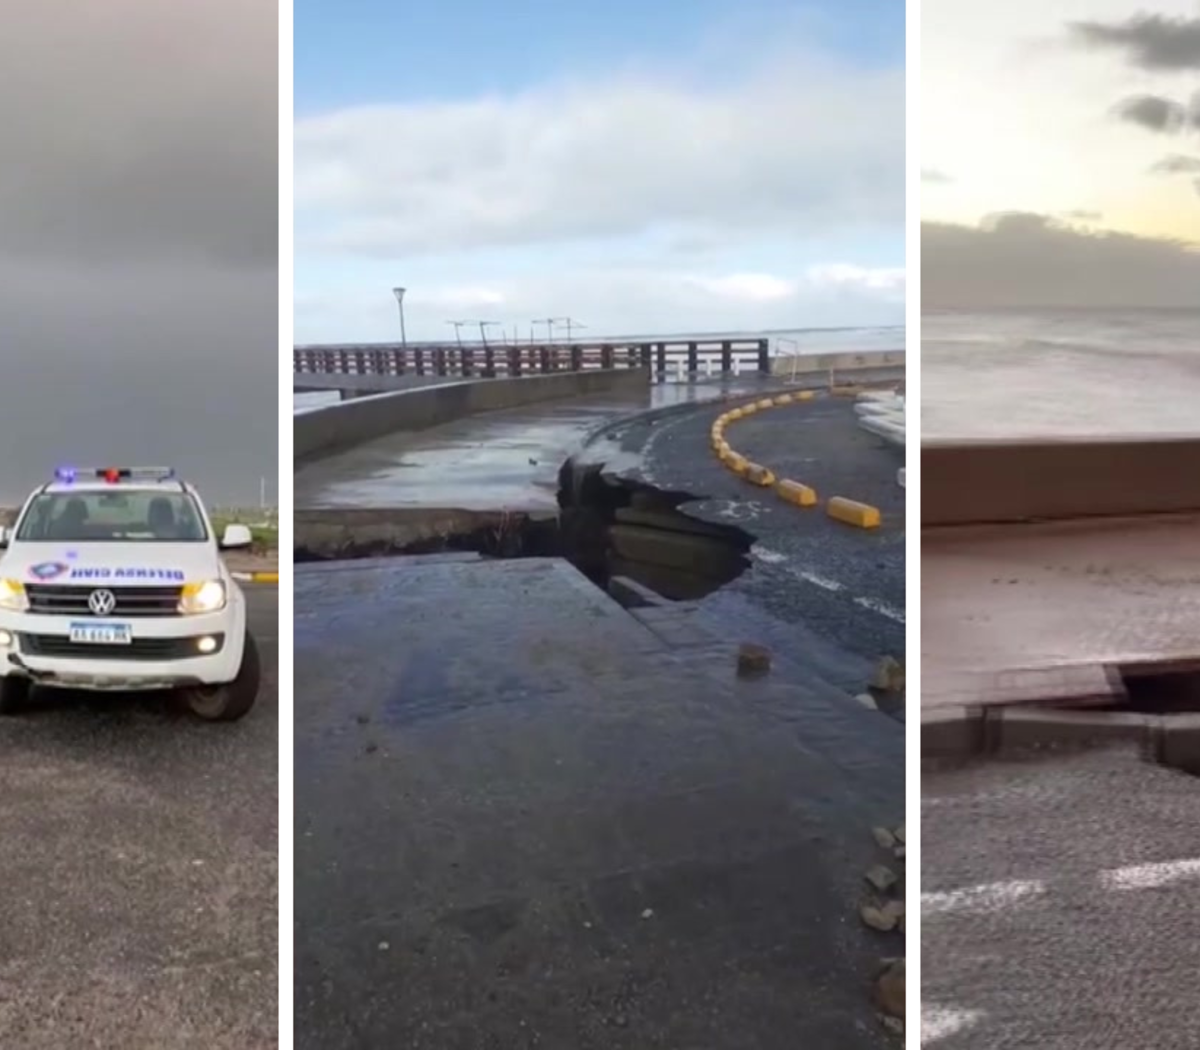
{"points": [[59, 645], [52, 600]]}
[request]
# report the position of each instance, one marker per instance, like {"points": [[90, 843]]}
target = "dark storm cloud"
{"points": [[138, 240], [170, 366], [1153, 113], [1023, 260], [137, 128], [1148, 41]]}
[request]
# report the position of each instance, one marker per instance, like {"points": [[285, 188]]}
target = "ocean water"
{"points": [[782, 341], [1060, 373]]}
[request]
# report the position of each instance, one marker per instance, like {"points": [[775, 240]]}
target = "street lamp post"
{"points": [[399, 294]]}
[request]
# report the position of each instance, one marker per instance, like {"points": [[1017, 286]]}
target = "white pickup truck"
{"points": [[112, 579]]}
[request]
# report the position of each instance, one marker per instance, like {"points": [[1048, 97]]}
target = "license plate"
{"points": [[101, 633]]}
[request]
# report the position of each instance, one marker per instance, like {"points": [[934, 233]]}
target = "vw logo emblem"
{"points": [[102, 602]]}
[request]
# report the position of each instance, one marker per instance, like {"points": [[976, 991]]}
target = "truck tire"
{"points": [[14, 694], [232, 700]]}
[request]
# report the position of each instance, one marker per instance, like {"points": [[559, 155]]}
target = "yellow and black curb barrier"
{"points": [[848, 511], [256, 577]]}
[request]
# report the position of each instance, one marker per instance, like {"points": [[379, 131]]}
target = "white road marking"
{"points": [[773, 557], [880, 607], [941, 1022], [989, 897], [821, 581], [1149, 876]]}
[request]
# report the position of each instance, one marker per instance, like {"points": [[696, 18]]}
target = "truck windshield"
{"points": [[113, 516]]}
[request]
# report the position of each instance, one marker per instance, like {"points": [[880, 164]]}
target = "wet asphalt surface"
{"points": [[139, 870], [527, 818], [1059, 904], [827, 594]]}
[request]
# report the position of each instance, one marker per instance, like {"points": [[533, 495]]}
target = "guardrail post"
{"points": [[467, 361], [544, 355], [439, 361], [726, 356], [764, 357], [514, 360], [646, 355], [419, 361], [576, 358], [660, 369], [606, 355], [693, 360], [489, 362]]}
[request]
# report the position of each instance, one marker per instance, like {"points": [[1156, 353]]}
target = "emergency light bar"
{"points": [[114, 475]]}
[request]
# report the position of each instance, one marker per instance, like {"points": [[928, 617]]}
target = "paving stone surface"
{"points": [[1060, 905], [525, 817]]}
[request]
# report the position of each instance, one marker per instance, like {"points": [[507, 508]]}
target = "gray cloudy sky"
{"points": [[138, 240], [1063, 150]]}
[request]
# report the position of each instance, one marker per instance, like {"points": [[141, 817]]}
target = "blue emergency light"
{"points": [[115, 475]]}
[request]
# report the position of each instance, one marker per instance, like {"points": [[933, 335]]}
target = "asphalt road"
{"points": [[830, 595], [139, 870], [1059, 905]]}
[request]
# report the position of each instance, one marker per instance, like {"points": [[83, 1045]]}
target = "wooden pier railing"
{"points": [[693, 358]]}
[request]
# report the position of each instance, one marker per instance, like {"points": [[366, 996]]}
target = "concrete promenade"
{"points": [[1018, 614], [561, 823]]}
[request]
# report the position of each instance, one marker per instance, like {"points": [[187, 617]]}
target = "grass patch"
{"points": [[263, 526]]}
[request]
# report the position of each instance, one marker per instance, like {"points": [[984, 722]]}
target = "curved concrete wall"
{"points": [[976, 482], [323, 431]]}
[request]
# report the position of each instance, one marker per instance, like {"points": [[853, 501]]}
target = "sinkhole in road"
{"points": [[613, 526], [1160, 692], [607, 526]]}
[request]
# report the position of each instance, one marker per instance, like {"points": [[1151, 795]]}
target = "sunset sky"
{"points": [[1021, 111], [1084, 119]]}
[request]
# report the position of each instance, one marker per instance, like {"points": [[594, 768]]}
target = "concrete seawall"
{"points": [[324, 431], [358, 385], [805, 364], [983, 481]]}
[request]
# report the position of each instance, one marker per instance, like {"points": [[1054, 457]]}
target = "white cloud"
{"points": [[804, 146], [753, 287], [616, 301]]}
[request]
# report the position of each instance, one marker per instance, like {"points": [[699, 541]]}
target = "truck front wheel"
{"points": [[14, 694], [232, 700]]}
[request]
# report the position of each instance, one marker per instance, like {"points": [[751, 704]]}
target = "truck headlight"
{"points": [[205, 597], [13, 596]]}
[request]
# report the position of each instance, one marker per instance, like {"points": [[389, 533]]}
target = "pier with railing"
{"points": [[663, 360]]}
